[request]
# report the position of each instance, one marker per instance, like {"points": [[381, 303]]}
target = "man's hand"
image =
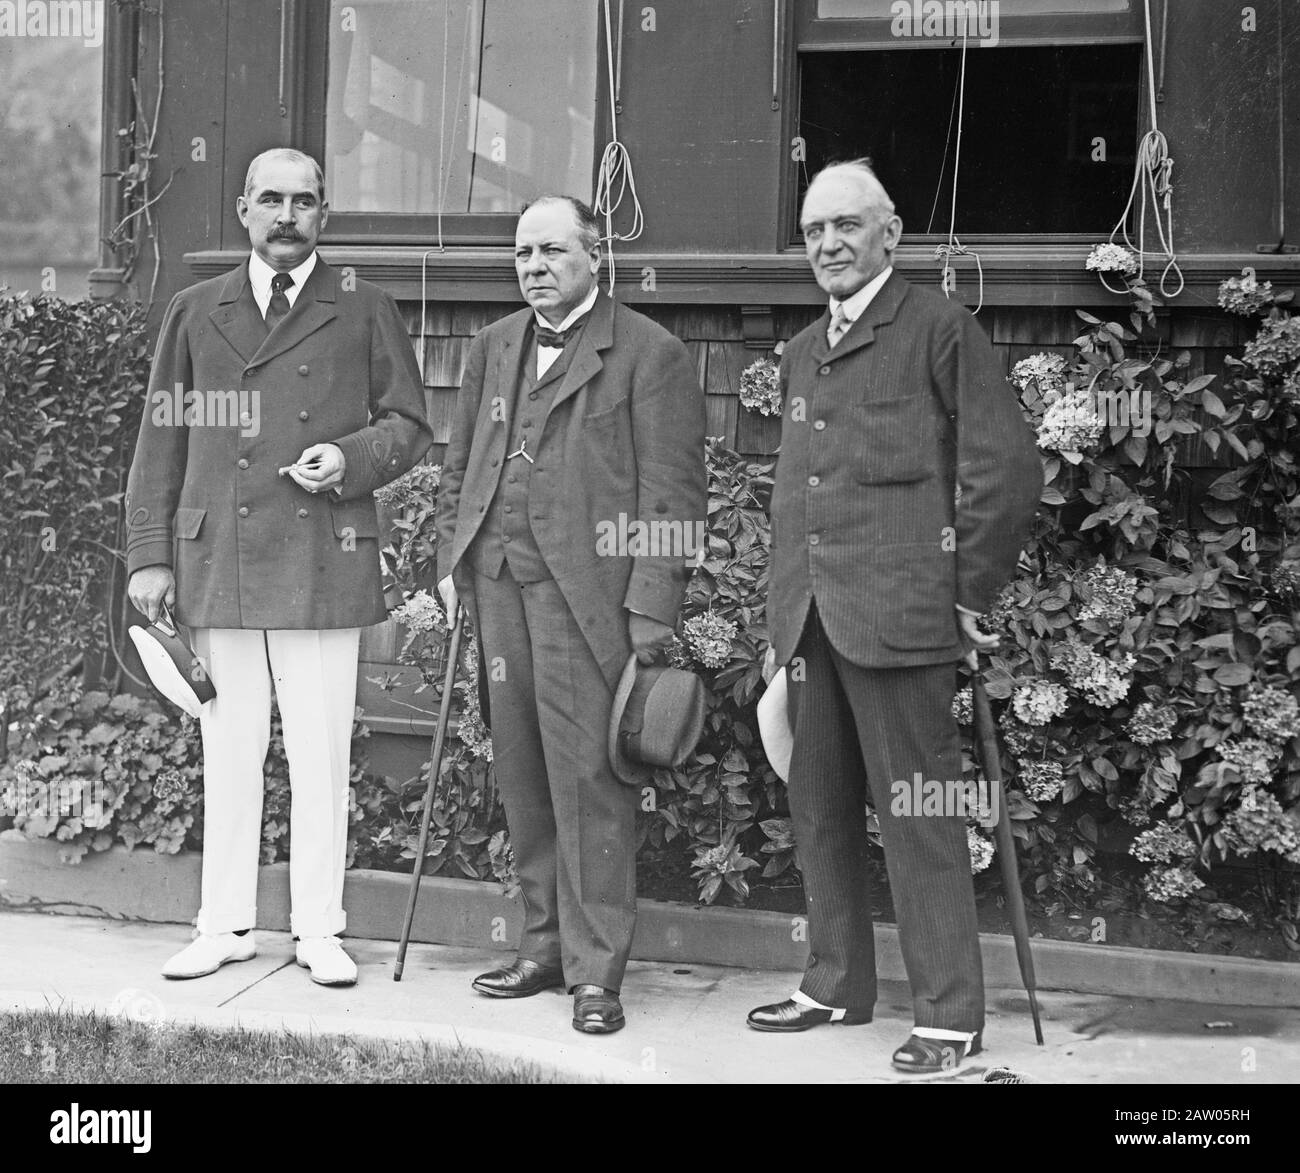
{"points": [[319, 468], [447, 591], [149, 588], [978, 640], [649, 637]]}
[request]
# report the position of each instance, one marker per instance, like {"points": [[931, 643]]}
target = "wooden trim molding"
{"points": [[1013, 275]]}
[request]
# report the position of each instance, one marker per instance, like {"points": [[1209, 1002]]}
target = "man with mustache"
{"points": [[905, 488], [572, 413], [263, 536]]}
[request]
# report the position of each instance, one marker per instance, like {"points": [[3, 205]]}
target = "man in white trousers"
{"points": [[281, 397]]}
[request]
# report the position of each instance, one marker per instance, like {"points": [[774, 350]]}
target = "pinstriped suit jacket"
{"points": [[880, 435]]}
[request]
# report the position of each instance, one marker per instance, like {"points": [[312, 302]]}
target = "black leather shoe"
{"points": [[789, 1016], [920, 1056], [596, 1010], [520, 979]]}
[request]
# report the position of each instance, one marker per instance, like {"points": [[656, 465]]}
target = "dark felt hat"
{"points": [[657, 720]]}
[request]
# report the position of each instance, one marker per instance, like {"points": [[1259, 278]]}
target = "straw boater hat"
{"points": [[657, 720], [774, 725], [173, 668]]}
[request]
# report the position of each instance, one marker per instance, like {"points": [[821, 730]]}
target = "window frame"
{"points": [[473, 229], [808, 34]]}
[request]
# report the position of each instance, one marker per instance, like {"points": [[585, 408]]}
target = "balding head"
{"points": [[849, 226], [284, 155]]}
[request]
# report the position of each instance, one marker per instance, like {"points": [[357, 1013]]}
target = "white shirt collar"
{"points": [[260, 274], [855, 305], [587, 303]]}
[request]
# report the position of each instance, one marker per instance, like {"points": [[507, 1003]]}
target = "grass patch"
{"points": [[58, 1046]]}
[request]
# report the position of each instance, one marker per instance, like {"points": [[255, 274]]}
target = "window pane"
{"points": [[499, 97], [888, 9], [1032, 118]]}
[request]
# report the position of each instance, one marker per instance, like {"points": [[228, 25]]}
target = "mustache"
{"points": [[285, 234]]}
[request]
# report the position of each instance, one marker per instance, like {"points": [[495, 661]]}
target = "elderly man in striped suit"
{"points": [[906, 485]]}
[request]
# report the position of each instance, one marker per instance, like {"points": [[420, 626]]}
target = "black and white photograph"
{"points": [[712, 542]]}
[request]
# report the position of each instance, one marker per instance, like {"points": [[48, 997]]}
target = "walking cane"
{"points": [[435, 766], [986, 734]]}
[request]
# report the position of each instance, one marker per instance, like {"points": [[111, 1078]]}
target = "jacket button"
{"points": [[512, 478], [510, 509], [246, 420], [528, 423], [826, 370], [243, 463], [304, 370], [532, 394], [251, 371], [505, 537], [302, 513], [243, 511], [495, 462], [302, 415], [813, 539], [814, 481], [819, 425]]}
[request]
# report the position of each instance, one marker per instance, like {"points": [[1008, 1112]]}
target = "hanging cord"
{"points": [[444, 173], [954, 247], [615, 179], [1151, 193]]}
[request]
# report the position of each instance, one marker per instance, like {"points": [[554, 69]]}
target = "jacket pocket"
{"points": [[355, 519], [896, 441], [187, 523], [918, 586]]}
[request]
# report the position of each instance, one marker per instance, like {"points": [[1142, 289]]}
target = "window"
{"points": [[1051, 110], [464, 108]]}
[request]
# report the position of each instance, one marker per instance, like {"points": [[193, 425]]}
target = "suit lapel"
{"points": [[881, 311], [312, 309], [587, 363], [236, 317]]}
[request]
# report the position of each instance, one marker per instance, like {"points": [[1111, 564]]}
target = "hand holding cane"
{"points": [[435, 767], [986, 736]]}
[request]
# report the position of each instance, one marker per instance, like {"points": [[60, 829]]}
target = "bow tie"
{"points": [[557, 339]]}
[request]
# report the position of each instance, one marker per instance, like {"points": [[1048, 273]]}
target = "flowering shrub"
{"points": [[760, 387]]}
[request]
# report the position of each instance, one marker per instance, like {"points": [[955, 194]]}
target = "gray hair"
{"points": [[585, 219], [863, 171], [289, 155]]}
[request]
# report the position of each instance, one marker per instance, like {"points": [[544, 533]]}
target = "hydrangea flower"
{"points": [[1070, 426], [1163, 843], [1042, 781], [1018, 737], [1151, 723], [981, 851], [421, 613], [1245, 295], [1039, 702], [1285, 579], [1276, 349], [1272, 713], [1111, 258], [760, 387], [1255, 758], [1102, 681], [1046, 371], [1111, 594], [963, 706], [1260, 824], [708, 638], [1172, 883]]}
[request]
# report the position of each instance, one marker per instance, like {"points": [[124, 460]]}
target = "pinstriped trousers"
{"points": [[857, 730]]}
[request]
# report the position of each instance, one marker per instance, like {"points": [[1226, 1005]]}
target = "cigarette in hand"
{"points": [[297, 467]]}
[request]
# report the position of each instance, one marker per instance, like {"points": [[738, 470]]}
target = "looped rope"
{"points": [[615, 179], [954, 247], [1152, 193]]}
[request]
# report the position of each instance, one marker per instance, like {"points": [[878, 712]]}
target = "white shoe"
{"points": [[329, 965], [207, 953]]}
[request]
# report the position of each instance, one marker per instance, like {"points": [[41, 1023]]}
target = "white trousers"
{"points": [[315, 676]]}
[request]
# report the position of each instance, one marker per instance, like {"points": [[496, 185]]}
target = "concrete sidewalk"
{"points": [[685, 1022]]}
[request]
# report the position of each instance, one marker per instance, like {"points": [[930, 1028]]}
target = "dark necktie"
{"points": [[279, 302], [557, 339]]}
